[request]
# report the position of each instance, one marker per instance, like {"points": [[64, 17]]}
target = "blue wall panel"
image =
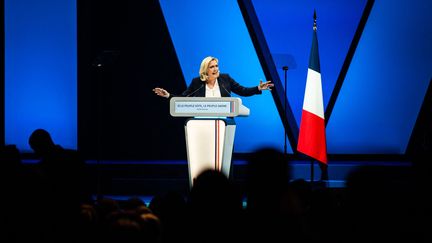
{"points": [[384, 88], [40, 71]]}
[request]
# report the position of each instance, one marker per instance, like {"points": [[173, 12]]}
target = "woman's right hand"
{"points": [[161, 92]]}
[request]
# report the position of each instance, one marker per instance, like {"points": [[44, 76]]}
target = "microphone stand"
{"points": [[99, 67], [103, 60], [285, 69]]}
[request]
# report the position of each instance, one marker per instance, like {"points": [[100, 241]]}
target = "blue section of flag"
{"points": [[314, 63]]}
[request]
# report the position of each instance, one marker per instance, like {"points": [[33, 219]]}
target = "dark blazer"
{"points": [[226, 86]]}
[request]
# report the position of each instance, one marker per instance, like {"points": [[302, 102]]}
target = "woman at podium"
{"points": [[210, 140], [211, 83]]}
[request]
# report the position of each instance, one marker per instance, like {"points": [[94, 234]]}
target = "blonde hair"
{"points": [[204, 66]]}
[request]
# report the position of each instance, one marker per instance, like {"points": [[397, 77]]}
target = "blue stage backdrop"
{"points": [[216, 28], [383, 89], [374, 113], [40, 71]]}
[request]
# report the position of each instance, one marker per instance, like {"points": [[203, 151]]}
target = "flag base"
{"points": [[324, 171]]}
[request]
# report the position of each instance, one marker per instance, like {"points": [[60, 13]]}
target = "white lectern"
{"points": [[210, 131]]}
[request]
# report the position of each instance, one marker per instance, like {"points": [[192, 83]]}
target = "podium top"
{"points": [[207, 107]]}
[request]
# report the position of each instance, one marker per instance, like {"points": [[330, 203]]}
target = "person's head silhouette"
{"points": [[41, 142]]}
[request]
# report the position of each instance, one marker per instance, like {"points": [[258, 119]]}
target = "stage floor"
{"points": [[144, 179]]}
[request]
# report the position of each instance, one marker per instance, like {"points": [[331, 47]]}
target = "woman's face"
{"points": [[213, 70]]}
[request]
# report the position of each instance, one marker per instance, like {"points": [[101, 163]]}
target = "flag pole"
{"points": [[312, 141], [285, 69], [312, 161], [315, 24], [323, 167], [312, 172]]}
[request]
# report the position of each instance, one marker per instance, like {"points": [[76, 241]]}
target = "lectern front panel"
{"points": [[205, 145]]}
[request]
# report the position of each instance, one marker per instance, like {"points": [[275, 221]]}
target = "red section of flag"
{"points": [[312, 139]]}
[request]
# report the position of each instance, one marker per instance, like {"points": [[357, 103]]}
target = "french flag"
{"points": [[312, 137]]}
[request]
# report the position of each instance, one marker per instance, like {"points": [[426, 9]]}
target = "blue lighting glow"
{"points": [[40, 71]]}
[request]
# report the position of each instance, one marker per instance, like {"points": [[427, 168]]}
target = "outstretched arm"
{"points": [[246, 91], [161, 92], [265, 85]]}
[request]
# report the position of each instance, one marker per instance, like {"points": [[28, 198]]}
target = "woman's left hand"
{"points": [[265, 85]]}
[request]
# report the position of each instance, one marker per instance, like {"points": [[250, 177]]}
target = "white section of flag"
{"points": [[313, 99]]}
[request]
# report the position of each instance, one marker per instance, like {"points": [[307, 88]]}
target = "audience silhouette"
{"points": [[11, 187], [171, 207], [270, 199], [381, 205], [214, 203], [64, 169], [51, 204]]}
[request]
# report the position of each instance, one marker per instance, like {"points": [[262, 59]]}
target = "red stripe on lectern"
{"points": [[215, 154], [217, 144], [219, 149]]}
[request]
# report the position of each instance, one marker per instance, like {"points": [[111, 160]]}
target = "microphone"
{"points": [[195, 90], [223, 86]]}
